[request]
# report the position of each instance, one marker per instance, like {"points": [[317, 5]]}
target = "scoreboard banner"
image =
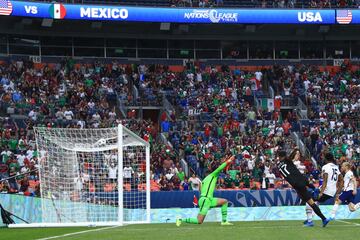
{"points": [[178, 15]]}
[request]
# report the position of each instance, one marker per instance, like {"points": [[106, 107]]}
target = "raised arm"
{"points": [[226, 163]]}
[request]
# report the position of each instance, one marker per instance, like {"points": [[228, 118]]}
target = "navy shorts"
{"points": [[347, 197]]}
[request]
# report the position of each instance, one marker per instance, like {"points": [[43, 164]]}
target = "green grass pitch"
{"points": [[267, 230]]}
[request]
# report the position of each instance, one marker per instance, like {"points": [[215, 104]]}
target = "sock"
{"points": [[334, 210], [357, 206], [318, 211], [191, 220], [309, 212], [224, 212]]}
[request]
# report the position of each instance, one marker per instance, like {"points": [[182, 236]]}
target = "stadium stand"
{"points": [[215, 114]]}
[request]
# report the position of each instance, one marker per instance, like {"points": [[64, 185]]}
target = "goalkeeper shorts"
{"points": [[206, 203]]}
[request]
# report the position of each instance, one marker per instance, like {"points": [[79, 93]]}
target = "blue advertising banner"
{"points": [[29, 208], [173, 15], [355, 17], [236, 198]]}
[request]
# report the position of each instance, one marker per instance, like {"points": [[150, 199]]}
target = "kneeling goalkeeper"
{"points": [[207, 200]]}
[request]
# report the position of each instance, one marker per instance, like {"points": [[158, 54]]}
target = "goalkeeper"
{"points": [[207, 200]]}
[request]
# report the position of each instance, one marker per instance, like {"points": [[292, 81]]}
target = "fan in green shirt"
{"points": [[344, 147], [246, 180], [233, 173], [14, 165], [181, 174], [89, 82], [265, 131], [4, 142], [188, 149], [12, 143], [62, 101], [256, 173], [217, 155], [342, 87], [228, 181], [237, 181], [336, 152]]}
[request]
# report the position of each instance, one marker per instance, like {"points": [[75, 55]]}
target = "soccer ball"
{"points": [[100, 142]]}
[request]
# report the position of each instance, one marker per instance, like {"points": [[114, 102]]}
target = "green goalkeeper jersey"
{"points": [[209, 183]]}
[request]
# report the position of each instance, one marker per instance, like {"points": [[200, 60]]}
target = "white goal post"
{"points": [[92, 177]]}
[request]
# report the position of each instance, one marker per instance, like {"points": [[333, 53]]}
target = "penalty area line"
{"points": [[77, 233]]}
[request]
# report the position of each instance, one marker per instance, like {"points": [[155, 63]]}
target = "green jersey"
{"points": [[233, 173], [181, 176], [228, 182], [237, 182], [209, 183]]}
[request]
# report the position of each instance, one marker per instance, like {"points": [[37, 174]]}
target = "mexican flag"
{"points": [[267, 103], [57, 11]]}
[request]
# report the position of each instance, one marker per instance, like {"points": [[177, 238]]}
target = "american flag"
{"points": [[343, 16], [5, 7]]}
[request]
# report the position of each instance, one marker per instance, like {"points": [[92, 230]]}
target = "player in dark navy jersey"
{"points": [[298, 181]]}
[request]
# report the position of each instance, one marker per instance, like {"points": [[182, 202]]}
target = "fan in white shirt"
{"points": [[258, 75], [20, 158], [112, 171], [271, 176], [128, 171], [30, 153], [68, 115]]}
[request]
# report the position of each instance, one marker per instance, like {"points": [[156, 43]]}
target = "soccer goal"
{"points": [[92, 177]]}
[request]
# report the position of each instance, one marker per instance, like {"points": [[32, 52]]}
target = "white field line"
{"points": [[348, 224], [351, 223], [77, 233]]}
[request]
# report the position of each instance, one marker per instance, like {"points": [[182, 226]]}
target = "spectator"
{"points": [[195, 182], [128, 174], [271, 178], [112, 172], [181, 174], [185, 184], [219, 3], [246, 180], [254, 186], [229, 183], [237, 181]]}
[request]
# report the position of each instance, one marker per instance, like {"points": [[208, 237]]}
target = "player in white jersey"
{"points": [[349, 191], [330, 174]]}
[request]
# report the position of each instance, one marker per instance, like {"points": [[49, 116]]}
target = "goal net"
{"points": [[93, 177]]}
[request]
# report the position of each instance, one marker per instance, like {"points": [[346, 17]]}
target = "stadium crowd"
{"points": [[56, 96], [215, 116], [333, 108]]}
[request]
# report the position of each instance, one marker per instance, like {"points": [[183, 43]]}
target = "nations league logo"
{"points": [[213, 15]]}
